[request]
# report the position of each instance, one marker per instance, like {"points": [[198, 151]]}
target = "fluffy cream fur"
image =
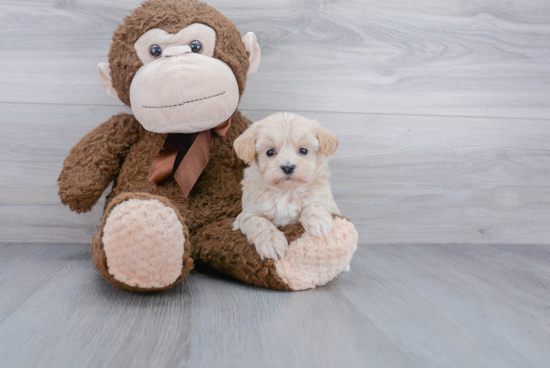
{"points": [[144, 243], [273, 196]]}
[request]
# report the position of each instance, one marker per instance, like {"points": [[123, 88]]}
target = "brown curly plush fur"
{"points": [[120, 150], [94, 162]]}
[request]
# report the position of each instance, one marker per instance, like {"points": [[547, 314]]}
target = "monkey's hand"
{"points": [[94, 162], [316, 220]]}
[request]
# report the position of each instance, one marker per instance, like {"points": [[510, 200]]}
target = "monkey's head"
{"points": [[180, 65]]}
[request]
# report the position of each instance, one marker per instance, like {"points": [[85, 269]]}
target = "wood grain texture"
{"points": [[442, 111], [400, 306], [458, 305], [462, 58], [25, 269], [401, 179]]}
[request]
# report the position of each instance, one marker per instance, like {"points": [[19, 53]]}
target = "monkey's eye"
{"points": [[155, 51], [303, 151], [270, 153], [196, 46]]}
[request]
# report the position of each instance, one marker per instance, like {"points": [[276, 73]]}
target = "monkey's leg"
{"points": [[308, 262], [142, 243]]}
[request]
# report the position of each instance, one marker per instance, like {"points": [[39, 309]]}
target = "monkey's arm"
{"points": [[94, 162]]}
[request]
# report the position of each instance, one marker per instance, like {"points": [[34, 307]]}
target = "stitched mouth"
{"points": [[183, 103]]}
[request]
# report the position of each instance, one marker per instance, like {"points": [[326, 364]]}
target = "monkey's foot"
{"points": [[144, 244], [310, 261]]}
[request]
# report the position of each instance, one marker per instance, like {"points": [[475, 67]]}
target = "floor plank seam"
{"points": [[35, 289], [358, 308], [305, 111]]}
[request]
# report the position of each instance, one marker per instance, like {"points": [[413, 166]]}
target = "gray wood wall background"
{"points": [[442, 109]]}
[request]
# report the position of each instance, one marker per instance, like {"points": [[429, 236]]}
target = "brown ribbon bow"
{"points": [[184, 156]]}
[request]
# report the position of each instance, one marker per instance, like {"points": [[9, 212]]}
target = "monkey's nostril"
{"points": [[288, 169]]}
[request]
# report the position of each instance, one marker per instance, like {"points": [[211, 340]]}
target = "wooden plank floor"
{"points": [[460, 58], [442, 110], [400, 306], [399, 181]]}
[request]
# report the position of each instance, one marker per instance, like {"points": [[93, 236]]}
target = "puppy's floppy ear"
{"points": [[327, 142], [245, 145]]}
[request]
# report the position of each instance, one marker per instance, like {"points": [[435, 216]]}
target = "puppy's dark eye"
{"points": [[303, 151], [155, 51], [196, 47], [270, 153]]}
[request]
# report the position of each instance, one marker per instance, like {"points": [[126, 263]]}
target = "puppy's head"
{"points": [[289, 150]]}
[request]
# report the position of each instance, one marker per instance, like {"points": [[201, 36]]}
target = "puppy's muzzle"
{"points": [[288, 169]]}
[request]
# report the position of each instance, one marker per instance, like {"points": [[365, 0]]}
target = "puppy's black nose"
{"points": [[288, 169]]}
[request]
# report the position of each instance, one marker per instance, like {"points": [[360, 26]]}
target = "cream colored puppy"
{"points": [[286, 182]]}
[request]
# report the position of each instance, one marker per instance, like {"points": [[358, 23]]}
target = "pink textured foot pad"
{"points": [[310, 261], [143, 242]]}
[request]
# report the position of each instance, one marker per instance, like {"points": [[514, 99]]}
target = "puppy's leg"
{"points": [[316, 220], [268, 240]]}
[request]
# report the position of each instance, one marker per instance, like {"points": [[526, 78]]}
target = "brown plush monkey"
{"points": [[182, 67]]}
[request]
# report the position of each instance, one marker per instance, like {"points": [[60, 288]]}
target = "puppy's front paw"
{"points": [[317, 223], [271, 243]]}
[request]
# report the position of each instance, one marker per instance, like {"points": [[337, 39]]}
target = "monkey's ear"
{"points": [[328, 144], [245, 145], [104, 74], [251, 45]]}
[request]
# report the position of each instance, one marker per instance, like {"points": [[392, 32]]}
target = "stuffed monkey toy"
{"points": [[182, 68]]}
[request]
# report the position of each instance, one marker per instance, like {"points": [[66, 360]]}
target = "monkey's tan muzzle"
{"points": [[183, 92]]}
